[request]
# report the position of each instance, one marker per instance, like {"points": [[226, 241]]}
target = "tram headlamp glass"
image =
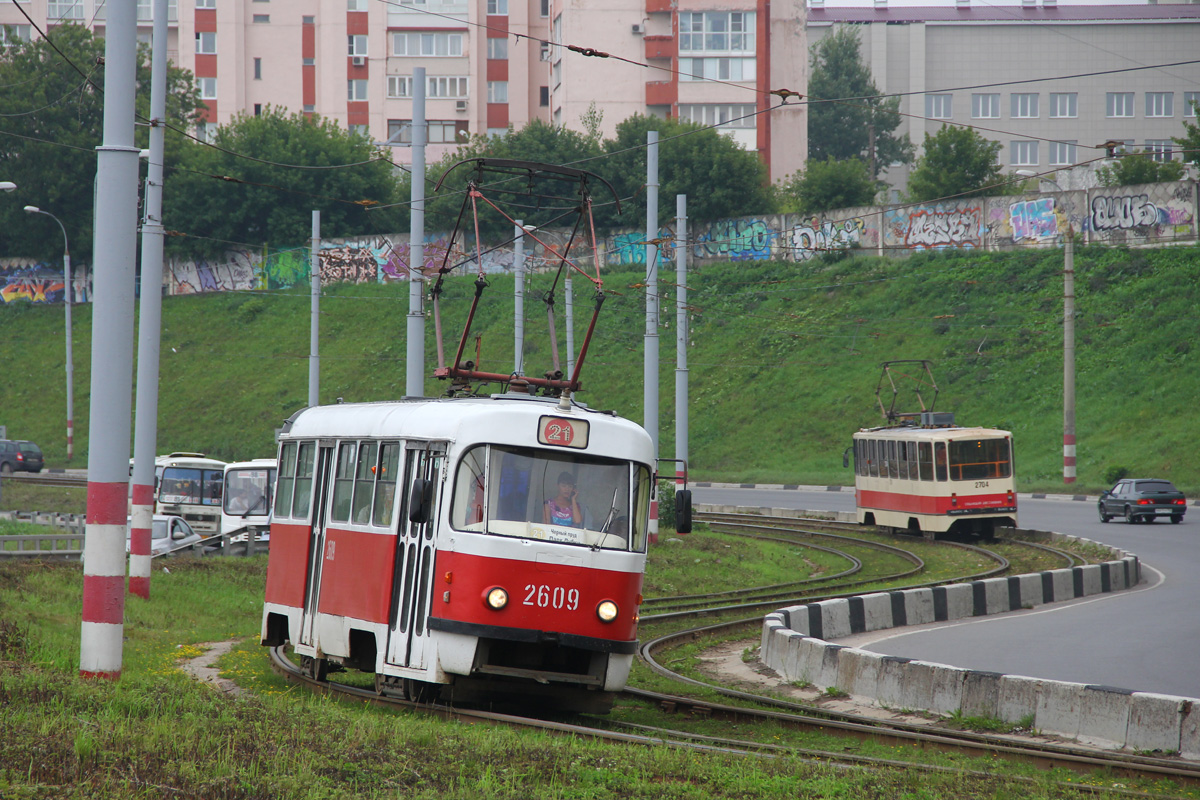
{"points": [[496, 598], [607, 611]]}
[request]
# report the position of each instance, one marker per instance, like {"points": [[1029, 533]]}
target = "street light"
{"points": [[7, 186], [1069, 451], [67, 303]]}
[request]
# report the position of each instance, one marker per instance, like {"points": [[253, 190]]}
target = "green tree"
{"points": [[719, 178], [843, 110], [1134, 168], [957, 162], [264, 175], [1190, 141], [53, 122], [829, 184]]}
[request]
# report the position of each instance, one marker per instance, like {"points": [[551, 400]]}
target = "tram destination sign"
{"points": [[561, 432]]}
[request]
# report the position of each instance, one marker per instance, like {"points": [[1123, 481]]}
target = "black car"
{"points": [[1143, 500], [19, 456]]}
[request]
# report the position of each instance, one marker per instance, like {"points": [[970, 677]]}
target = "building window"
{"points": [[725, 115], [145, 10], [260, 19], [721, 69], [1190, 101], [985, 106], [1119, 104], [308, 62], [1024, 154], [1159, 149], [10, 35], [1024, 106], [257, 69], [356, 45], [1160, 104], [453, 88], [497, 49], [544, 96], [206, 43], [716, 31], [497, 92], [64, 9], [399, 86], [258, 109], [207, 87], [439, 131], [364, 131], [939, 106], [1064, 105], [202, 129], [1062, 154], [308, 20], [206, 3], [356, 90], [309, 109], [497, 7], [361, 5], [427, 44], [545, 8]]}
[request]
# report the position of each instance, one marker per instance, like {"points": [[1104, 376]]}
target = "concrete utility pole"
{"points": [[650, 375], [519, 299], [1069, 356], [681, 340], [145, 433], [114, 244], [314, 328], [414, 385]]}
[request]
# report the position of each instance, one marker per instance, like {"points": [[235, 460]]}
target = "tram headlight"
{"points": [[607, 611], [496, 598]]}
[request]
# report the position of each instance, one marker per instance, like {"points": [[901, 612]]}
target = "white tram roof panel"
{"points": [[499, 419], [913, 432]]}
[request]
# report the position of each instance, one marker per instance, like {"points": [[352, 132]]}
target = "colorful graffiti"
{"points": [[1123, 213], [240, 271], [819, 237], [1034, 220], [348, 265], [36, 283], [736, 240], [934, 227]]}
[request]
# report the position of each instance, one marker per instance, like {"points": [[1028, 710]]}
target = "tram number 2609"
{"points": [[544, 596]]}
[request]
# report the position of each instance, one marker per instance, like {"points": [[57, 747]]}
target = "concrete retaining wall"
{"points": [[795, 643]]}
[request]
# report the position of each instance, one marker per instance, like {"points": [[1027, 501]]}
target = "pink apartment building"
{"points": [[489, 64]]}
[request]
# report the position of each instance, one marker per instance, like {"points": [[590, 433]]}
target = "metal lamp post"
{"points": [[67, 303]]}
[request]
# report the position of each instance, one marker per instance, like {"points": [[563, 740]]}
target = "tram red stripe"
{"points": [[104, 598], [107, 503], [930, 504]]}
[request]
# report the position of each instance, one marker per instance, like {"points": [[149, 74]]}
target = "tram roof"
{"points": [[501, 419], [913, 432]]}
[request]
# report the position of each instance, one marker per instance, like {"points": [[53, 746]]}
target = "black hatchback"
{"points": [[20, 456], [1143, 501]]}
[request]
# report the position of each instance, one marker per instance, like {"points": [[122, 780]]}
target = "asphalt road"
{"points": [[1146, 639]]}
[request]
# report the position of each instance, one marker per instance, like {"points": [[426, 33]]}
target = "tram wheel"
{"points": [[315, 668]]}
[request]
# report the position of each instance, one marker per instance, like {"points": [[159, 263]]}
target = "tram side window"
{"points": [[925, 460], [385, 486], [901, 448], [343, 482], [364, 483], [940, 460], [641, 501], [893, 463], [467, 506], [286, 481], [912, 460], [873, 457], [305, 466]]}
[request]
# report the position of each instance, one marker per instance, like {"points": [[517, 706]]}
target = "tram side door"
{"points": [[415, 553], [316, 539]]}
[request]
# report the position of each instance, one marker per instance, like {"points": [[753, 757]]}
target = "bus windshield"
{"points": [[980, 459], [557, 497], [247, 492], [191, 485]]}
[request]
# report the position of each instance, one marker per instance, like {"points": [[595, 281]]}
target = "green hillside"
{"points": [[783, 364]]}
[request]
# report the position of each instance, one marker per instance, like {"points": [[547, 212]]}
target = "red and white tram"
{"points": [[934, 477], [412, 539]]}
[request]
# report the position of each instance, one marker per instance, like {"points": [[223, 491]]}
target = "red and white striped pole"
{"points": [[1069, 356], [114, 246]]}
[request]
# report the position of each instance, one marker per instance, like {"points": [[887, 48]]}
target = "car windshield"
{"points": [[1155, 486], [557, 497]]}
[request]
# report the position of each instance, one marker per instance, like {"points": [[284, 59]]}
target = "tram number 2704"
{"points": [[544, 596]]}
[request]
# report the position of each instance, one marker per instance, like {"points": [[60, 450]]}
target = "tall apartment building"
{"points": [[1047, 81], [489, 64]]}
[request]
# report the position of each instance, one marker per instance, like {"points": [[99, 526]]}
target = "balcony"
{"points": [[662, 93], [660, 46], [659, 6]]}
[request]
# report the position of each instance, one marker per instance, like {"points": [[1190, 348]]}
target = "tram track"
{"points": [[48, 479]]}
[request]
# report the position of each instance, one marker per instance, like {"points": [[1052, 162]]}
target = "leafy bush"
{"points": [[1115, 473]]}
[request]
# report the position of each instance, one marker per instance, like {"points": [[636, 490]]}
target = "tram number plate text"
{"points": [[543, 596], [560, 432], [981, 484]]}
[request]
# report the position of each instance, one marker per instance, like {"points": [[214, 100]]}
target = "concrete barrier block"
{"points": [[877, 610], [1031, 590], [1059, 705], [981, 694], [916, 690], [893, 682], [918, 606], [827, 674], [796, 618], [1104, 716], [810, 655], [835, 618], [1155, 722], [785, 654], [960, 601], [995, 596], [858, 672], [1189, 731], [1018, 698], [772, 624], [1116, 575], [1064, 585], [1087, 580], [946, 689]]}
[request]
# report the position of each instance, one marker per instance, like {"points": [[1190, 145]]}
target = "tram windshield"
{"points": [[980, 459], [552, 496]]}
